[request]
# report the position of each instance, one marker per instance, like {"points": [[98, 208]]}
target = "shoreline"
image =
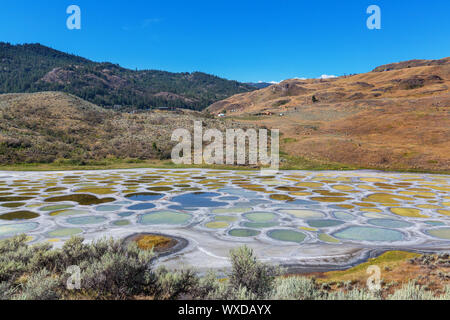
{"points": [[168, 166]]}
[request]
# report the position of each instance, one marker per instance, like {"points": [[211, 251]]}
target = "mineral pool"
{"points": [[289, 217]]}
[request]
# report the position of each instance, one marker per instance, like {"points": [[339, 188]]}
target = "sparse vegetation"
{"points": [[111, 270]]}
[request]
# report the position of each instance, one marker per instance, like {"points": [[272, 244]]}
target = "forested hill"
{"points": [[34, 67]]}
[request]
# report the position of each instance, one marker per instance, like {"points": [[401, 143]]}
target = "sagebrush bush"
{"points": [[110, 269], [412, 291], [247, 272], [296, 288], [39, 286], [173, 285]]}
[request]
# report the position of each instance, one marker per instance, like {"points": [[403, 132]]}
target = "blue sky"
{"points": [[244, 40]]}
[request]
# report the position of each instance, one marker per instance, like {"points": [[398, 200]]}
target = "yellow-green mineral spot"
{"points": [[444, 212], [309, 184], [408, 212], [327, 238], [217, 225], [97, 191], [308, 229], [385, 198], [281, 197]]}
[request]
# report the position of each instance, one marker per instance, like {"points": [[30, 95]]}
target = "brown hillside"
{"points": [[397, 119], [49, 126]]}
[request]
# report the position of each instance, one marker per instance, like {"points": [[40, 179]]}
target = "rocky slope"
{"points": [[51, 126], [396, 117]]}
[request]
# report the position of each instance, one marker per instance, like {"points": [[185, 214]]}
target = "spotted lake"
{"points": [[293, 217]]}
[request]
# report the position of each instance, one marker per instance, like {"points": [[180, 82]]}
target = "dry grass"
{"points": [[374, 120]]}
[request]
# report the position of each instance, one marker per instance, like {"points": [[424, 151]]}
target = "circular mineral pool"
{"points": [[121, 223], [217, 225], [369, 234], [228, 198], [126, 214], [10, 230], [260, 225], [435, 223], [442, 233], [108, 208], [56, 207], [260, 216], [198, 200], [343, 216], [234, 210], [324, 223], [19, 215], [65, 232], [142, 206], [304, 214], [86, 220], [144, 196], [287, 235], [242, 233], [165, 217], [70, 212], [389, 223]]}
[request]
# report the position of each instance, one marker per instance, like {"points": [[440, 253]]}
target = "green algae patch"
{"points": [[160, 189], [82, 199], [243, 233], [281, 197], [19, 215], [56, 207], [13, 205], [15, 199], [97, 191], [55, 189]]}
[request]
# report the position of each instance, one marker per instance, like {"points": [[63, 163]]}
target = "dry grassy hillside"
{"points": [[50, 126], [394, 119]]}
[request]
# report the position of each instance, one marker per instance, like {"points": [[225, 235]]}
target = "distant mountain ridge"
{"points": [[31, 68], [260, 85]]}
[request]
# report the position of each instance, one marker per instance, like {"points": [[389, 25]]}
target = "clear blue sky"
{"points": [[245, 40]]}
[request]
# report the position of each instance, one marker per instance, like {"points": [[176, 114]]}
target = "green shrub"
{"points": [[173, 285], [247, 272], [296, 288]]}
